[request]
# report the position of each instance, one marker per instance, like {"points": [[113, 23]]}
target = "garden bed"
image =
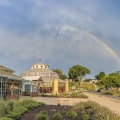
{"points": [[13, 109], [51, 109], [81, 111], [67, 95], [27, 109]]}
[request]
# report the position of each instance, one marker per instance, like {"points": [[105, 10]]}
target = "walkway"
{"points": [[61, 101], [111, 103]]}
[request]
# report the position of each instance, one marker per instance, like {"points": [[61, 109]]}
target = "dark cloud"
{"points": [[52, 30]]}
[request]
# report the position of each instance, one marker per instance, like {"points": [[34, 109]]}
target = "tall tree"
{"points": [[117, 73], [100, 75], [110, 81], [60, 73], [76, 72]]}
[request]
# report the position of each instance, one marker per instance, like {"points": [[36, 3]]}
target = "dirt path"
{"points": [[61, 101], [109, 102]]}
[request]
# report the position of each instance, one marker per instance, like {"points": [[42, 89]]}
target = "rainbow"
{"points": [[93, 37], [105, 45]]}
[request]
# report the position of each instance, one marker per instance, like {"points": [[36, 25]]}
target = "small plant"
{"points": [[10, 105], [85, 116], [57, 116], [42, 116], [44, 112], [16, 113], [5, 118], [91, 110], [58, 104], [3, 108], [77, 95], [71, 114]]}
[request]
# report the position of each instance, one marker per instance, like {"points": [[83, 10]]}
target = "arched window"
{"points": [[36, 66], [41, 66]]}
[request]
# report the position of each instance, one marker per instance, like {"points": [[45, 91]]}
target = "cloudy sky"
{"points": [[61, 33]]}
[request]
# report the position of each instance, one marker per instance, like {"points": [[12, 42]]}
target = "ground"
{"points": [[51, 109], [112, 103], [108, 101]]}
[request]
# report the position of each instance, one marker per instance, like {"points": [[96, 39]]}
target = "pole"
{"points": [[1, 87]]}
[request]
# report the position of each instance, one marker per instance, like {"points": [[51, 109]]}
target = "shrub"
{"points": [[108, 93], [6, 118], [16, 113], [57, 116], [95, 111], [58, 104], [44, 112], [10, 105], [42, 116], [85, 116], [87, 86], [71, 114], [81, 95], [78, 95], [3, 109], [28, 103], [15, 108]]}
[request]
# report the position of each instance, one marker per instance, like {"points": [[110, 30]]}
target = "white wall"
{"points": [[31, 78]]}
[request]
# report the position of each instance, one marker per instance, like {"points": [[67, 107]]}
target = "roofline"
{"points": [[40, 63], [10, 77], [7, 68]]}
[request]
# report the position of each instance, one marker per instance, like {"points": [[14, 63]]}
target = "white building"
{"points": [[42, 80]]}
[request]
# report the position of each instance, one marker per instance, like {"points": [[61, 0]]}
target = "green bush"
{"points": [[107, 93], [6, 118], [78, 95], [15, 108], [31, 106], [95, 111], [42, 116], [3, 109], [71, 114], [81, 95], [27, 103], [10, 105], [44, 112], [17, 112], [85, 116], [58, 104], [87, 86], [57, 116]]}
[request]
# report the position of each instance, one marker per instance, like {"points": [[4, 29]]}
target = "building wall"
{"points": [[10, 88], [31, 78], [41, 72], [41, 87]]}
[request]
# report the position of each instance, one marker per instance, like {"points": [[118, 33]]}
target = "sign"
{"points": [[73, 87]]}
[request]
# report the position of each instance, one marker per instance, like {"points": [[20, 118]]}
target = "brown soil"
{"points": [[51, 109]]}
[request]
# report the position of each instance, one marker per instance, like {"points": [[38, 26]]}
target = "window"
{"points": [[41, 66], [27, 88], [36, 66]]}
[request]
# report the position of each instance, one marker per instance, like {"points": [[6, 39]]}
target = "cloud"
{"points": [[61, 45], [4, 2], [52, 30]]}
